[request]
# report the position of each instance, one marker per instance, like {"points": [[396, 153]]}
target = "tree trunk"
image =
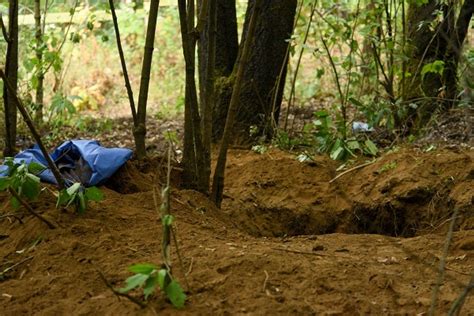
{"points": [[227, 47], [40, 71], [139, 130], [437, 92], [218, 179], [267, 58], [460, 28], [11, 72], [193, 151]]}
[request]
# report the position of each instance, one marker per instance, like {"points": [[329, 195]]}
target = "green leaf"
{"points": [[4, 183], [134, 281], [167, 220], [15, 203], [73, 188], [63, 198], [35, 168], [162, 277], [82, 203], [32, 177], [143, 268], [435, 67], [175, 294], [371, 147], [150, 286], [337, 153], [30, 188], [353, 144], [94, 194], [356, 102]]}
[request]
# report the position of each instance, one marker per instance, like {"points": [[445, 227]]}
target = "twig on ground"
{"points": [[301, 252], [120, 294], [352, 169], [12, 215], [173, 235], [442, 263], [190, 269], [459, 302], [265, 281], [14, 266], [30, 209]]}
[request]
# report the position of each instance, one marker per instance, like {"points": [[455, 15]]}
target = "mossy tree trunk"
{"points": [[434, 92], [39, 57], [11, 72], [227, 45], [260, 84]]}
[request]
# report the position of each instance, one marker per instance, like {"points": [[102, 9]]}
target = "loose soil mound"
{"points": [[401, 194], [264, 252]]}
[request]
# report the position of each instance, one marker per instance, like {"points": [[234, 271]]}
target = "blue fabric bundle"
{"points": [[83, 161]]}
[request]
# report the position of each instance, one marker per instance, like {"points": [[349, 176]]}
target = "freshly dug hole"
{"points": [[275, 195]]}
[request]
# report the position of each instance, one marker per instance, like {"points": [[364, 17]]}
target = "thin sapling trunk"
{"points": [[128, 86], [193, 151], [139, 130], [11, 71], [218, 180], [39, 57]]}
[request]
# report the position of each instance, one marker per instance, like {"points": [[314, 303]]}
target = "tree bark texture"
{"points": [[39, 56], [139, 130], [11, 72], [443, 42], [242, 63], [259, 86], [193, 151]]}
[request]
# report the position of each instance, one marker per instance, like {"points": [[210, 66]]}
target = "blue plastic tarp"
{"points": [[84, 161]]}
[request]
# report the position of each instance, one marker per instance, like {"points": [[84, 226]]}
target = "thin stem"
{"points": [[4, 29], [218, 180], [442, 263], [30, 209], [123, 63], [293, 83]]}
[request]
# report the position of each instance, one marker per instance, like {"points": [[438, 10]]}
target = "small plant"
{"points": [[22, 179], [79, 196], [149, 277], [260, 149], [22, 182], [330, 139], [387, 166]]}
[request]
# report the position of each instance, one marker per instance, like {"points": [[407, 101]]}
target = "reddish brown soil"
{"points": [[287, 242]]}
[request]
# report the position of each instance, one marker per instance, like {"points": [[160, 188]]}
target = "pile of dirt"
{"points": [[263, 253], [403, 193]]}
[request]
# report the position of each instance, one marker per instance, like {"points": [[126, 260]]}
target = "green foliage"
{"points": [[23, 179], [387, 166], [436, 67], [150, 277], [330, 139], [79, 196]]}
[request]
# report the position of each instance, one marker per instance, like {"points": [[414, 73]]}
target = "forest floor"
{"points": [[290, 239]]}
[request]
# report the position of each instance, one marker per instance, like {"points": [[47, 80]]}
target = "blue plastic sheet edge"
{"points": [[103, 162]]}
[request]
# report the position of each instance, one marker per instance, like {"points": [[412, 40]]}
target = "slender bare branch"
{"points": [[4, 29], [30, 209], [122, 61], [218, 180]]}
